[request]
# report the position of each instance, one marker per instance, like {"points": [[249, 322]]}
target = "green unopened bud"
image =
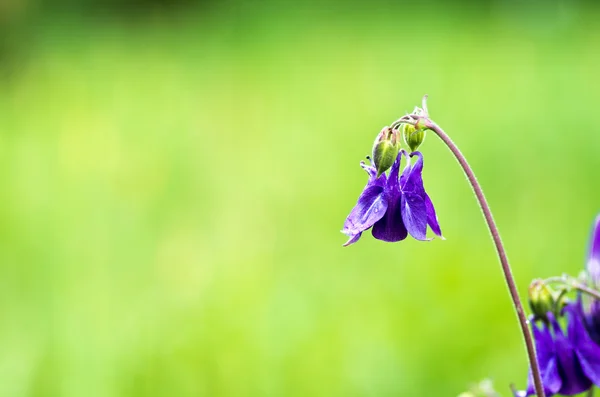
{"points": [[385, 149], [541, 299], [412, 136]]}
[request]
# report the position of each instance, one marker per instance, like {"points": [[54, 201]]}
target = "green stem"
{"points": [[422, 121], [576, 285]]}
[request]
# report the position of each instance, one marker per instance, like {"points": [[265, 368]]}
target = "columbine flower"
{"points": [[393, 206], [591, 305], [569, 364]]}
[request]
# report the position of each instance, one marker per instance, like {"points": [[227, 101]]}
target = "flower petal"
{"points": [[373, 180], [587, 351], [414, 215], [544, 343], [550, 380], [391, 228], [546, 357], [574, 380], [352, 239], [593, 261], [392, 181], [411, 181], [432, 220], [592, 318], [592, 305], [371, 207]]}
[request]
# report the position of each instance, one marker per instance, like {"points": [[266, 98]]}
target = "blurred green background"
{"points": [[174, 178]]}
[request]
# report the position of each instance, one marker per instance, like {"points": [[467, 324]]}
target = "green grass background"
{"points": [[172, 193]]}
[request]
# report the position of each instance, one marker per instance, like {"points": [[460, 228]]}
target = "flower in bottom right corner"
{"points": [[569, 364], [591, 306]]}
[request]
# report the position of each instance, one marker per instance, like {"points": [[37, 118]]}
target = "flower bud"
{"points": [[541, 299], [412, 136], [385, 149]]}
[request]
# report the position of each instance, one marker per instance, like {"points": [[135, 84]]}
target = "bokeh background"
{"points": [[174, 176]]}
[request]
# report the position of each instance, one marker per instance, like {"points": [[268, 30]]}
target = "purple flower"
{"points": [[591, 305], [569, 364], [393, 206]]}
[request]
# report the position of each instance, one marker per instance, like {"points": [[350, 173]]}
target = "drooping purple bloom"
{"points": [[394, 206], [592, 305], [569, 364]]}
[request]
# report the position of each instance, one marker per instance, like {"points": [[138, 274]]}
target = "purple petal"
{"points": [[550, 380], [352, 239], [390, 228], [392, 181], [544, 343], [412, 182], [371, 207], [592, 305], [592, 318], [593, 260], [406, 170], [587, 351], [546, 357], [414, 209], [414, 215], [574, 379], [551, 377], [373, 180], [432, 220]]}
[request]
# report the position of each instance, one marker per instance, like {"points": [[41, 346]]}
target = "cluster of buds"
{"points": [[412, 127]]}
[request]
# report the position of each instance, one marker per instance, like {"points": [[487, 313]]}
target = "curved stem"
{"points": [[510, 281], [586, 290], [573, 283]]}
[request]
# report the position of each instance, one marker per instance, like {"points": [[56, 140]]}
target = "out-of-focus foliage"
{"points": [[173, 187], [485, 388]]}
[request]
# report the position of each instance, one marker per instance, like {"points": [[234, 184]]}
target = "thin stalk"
{"points": [[576, 285], [510, 281], [586, 290]]}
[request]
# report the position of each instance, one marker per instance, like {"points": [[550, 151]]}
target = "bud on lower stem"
{"points": [[385, 149], [542, 299]]}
